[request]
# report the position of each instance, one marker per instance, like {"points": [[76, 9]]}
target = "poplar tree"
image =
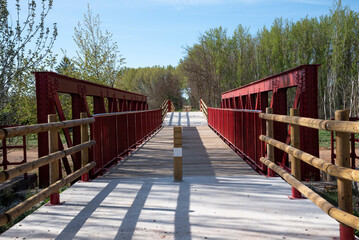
{"points": [[98, 58]]}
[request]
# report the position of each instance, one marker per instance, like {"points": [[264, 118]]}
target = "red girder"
{"points": [[255, 96], [49, 84]]}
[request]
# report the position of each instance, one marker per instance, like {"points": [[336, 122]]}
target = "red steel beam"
{"points": [[64, 84], [285, 79], [305, 78], [49, 84]]}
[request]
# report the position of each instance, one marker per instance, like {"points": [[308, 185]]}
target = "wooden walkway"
{"points": [[204, 154], [220, 197]]}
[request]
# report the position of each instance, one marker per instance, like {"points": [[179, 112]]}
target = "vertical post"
{"points": [[295, 162], [270, 148], [344, 186], [177, 153], [54, 166], [4, 154], [84, 152], [24, 151]]}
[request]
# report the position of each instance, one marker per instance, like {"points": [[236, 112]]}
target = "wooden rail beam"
{"points": [[16, 211], [24, 168], [323, 204], [337, 171], [44, 127], [327, 125]]}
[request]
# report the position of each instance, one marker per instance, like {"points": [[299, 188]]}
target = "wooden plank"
{"points": [[204, 154]]}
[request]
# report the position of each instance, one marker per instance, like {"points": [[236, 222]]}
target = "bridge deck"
{"points": [[220, 198], [204, 154]]}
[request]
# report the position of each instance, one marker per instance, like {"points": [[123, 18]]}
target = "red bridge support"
{"points": [[105, 100], [255, 96]]}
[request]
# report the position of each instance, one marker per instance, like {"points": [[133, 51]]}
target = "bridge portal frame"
{"points": [[48, 87], [255, 96]]}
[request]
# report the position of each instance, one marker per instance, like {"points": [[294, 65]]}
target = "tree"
{"points": [[66, 67], [18, 50], [158, 83], [98, 58]]}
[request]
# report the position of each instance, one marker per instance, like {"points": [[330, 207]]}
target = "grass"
{"points": [[324, 138]]}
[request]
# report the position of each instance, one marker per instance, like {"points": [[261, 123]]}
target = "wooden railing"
{"points": [[203, 107], [53, 159], [167, 106], [345, 175]]}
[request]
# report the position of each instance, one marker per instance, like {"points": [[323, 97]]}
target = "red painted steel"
{"points": [[353, 140], [105, 99], [116, 134], [255, 96], [240, 129], [5, 161], [346, 233]]}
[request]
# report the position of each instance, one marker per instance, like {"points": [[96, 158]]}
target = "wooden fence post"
{"points": [[270, 148], [54, 166], [344, 186], [295, 162], [177, 153], [84, 152]]}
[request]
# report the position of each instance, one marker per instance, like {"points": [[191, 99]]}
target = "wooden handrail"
{"points": [[53, 190], [16, 211], [163, 104], [203, 107], [164, 108], [24, 168], [43, 127], [324, 205], [342, 172], [328, 125]]}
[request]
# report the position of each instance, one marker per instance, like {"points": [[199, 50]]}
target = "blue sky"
{"points": [[154, 32]]}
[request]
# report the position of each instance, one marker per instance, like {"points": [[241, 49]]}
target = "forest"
{"points": [[219, 61]]}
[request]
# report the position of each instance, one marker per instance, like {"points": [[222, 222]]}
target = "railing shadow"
{"points": [[72, 228], [128, 224], [182, 223]]}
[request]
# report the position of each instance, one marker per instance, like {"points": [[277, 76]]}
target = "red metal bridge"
{"points": [[125, 161]]}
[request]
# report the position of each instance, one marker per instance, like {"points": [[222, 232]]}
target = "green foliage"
{"points": [[20, 107], [324, 138], [98, 58], [158, 83], [25, 46], [19, 31], [219, 61]]}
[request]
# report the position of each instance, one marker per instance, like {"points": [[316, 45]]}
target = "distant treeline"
{"points": [[219, 61], [158, 83]]}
